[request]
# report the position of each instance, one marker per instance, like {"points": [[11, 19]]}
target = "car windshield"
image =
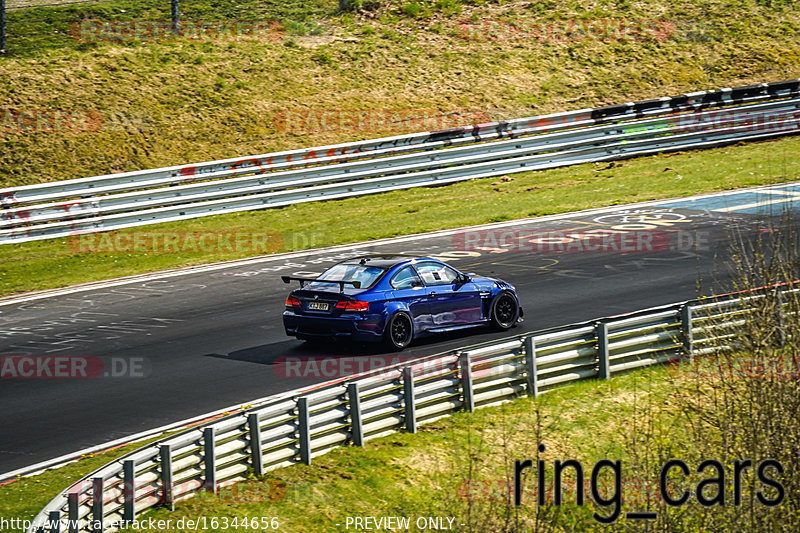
{"points": [[367, 275]]}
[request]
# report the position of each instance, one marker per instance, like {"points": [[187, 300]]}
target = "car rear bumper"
{"points": [[363, 328]]}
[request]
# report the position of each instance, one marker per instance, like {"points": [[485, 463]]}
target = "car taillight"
{"points": [[353, 305], [291, 302]]}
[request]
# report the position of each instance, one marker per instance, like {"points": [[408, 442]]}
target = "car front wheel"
{"points": [[505, 311], [399, 332]]}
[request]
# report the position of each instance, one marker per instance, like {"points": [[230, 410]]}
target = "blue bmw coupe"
{"points": [[395, 299]]}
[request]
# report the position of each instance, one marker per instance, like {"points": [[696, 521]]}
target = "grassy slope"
{"points": [[53, 263], [204, 101]]}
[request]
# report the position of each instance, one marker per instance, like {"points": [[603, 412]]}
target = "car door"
{"points": [[452, 303], [407, 287]]}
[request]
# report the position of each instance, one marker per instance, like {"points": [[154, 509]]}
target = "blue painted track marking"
{"points": [[773, 202]]}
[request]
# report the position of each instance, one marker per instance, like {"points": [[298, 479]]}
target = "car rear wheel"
{"points": [[399, 331], [505, 311]]}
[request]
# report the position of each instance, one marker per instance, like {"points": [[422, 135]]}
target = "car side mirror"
{"points": [[463, 278], [416, 284]]}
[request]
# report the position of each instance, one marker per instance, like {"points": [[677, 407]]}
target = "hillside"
{"points": [[318, 76]]}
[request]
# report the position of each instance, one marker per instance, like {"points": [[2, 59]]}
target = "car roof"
{"points": [[382, 261]]}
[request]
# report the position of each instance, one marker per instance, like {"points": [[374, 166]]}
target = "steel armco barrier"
{"points": [[300, 425], [696, 120]]}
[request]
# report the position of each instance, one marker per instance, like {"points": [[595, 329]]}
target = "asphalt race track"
{"points": [[180, 346]]}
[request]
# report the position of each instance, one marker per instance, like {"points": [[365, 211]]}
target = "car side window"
{"points": [[406, 278], [436, 273]]}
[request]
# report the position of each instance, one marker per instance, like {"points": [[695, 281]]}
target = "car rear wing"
{"points": [[303, 281]]}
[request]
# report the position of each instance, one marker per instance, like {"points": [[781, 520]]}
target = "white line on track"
{"points": [[788, 197]]}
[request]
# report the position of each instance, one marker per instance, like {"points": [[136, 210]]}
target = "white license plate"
{"points": [[318, 306]]}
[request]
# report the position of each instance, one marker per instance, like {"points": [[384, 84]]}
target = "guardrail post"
{"points": [[2, 26], [602, 351], [781, 317], [165, 454], [97, 504], [54, 517], [686, 329], [209, 459], [304, 429], [254, 430], [530, 366], [408, 400], [176, 28], [466, 381], [129, 490], [355, 414], [72, 511]]}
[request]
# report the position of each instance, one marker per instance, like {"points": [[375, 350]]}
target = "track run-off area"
{"points": [[126, 356]]}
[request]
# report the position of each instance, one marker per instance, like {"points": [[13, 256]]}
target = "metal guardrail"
{"points": [[695, 120], [298, 426]]}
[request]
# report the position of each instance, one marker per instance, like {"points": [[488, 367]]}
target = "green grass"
{"points": [[168, 103], [55, 263]]}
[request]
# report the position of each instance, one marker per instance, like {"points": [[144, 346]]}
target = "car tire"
{"points": [[399, 332], [504, 312]]}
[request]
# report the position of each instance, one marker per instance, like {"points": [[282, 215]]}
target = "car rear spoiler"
{"points": [[303, 281]]}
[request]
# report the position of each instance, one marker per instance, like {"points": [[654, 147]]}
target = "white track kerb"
{"points": [[696, 120]]}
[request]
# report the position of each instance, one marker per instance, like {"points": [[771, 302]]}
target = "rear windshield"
{"points": [[367, 275]]}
